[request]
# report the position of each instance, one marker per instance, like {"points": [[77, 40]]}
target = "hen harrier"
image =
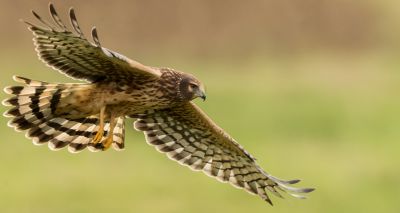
{"points": [[92, 115]]}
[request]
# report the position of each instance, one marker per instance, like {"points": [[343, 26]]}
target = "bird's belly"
{"points": [[137, 101], [79, 104], [125, 108], [87, 103]]}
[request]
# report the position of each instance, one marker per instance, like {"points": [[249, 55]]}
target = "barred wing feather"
{"points": [[188, 136], [72, 54]]}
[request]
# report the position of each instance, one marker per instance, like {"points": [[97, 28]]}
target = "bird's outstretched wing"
{"points": [[188, 136], [72, 54]]}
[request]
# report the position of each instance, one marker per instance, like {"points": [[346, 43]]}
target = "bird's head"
{"points": [[191, 88]]}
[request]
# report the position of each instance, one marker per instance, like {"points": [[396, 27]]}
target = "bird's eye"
{"points": [[191, 85]]}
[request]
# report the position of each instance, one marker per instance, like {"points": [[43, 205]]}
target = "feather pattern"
{"points": [[188, 136], [72, 54], [33, 107]]}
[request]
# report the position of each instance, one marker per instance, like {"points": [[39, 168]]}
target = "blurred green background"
{"points": [[310, 88]]}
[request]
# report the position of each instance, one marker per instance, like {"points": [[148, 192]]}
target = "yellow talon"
{"points": [[110, 135], [107, 142], [99, 135]]}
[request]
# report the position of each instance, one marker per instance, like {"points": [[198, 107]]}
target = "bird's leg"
{"points": [[109, 140], [100, 132]]}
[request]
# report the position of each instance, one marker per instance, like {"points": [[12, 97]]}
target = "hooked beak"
{"points": [[203, 97], [201, 94]]}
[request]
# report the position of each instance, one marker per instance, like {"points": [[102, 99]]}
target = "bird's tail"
{"points": [[33, 109]]}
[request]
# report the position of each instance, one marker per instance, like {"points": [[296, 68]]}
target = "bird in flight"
{"points": [[92, 114]]}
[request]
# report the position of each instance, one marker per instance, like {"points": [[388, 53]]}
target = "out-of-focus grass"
{"points": [[332, 121]]}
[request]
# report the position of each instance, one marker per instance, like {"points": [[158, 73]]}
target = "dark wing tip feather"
{"points": [[307, 190], [95, 37], [291, 190], [47, 24], [52, 8], [30, 25], [287, 181], [36, 15], [74, 22], [292, 181], [55, 16]]}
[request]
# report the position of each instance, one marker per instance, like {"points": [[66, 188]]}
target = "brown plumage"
{"points": [[80, 115]]}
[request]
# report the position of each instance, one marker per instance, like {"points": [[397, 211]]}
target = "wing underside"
{"points": [[188, 136]]}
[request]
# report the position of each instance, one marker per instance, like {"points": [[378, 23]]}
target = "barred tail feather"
{"points": [[119, 134], [33, 106], [61, 132]]}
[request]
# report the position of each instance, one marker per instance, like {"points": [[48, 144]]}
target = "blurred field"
{"points": [[311, 90]]}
